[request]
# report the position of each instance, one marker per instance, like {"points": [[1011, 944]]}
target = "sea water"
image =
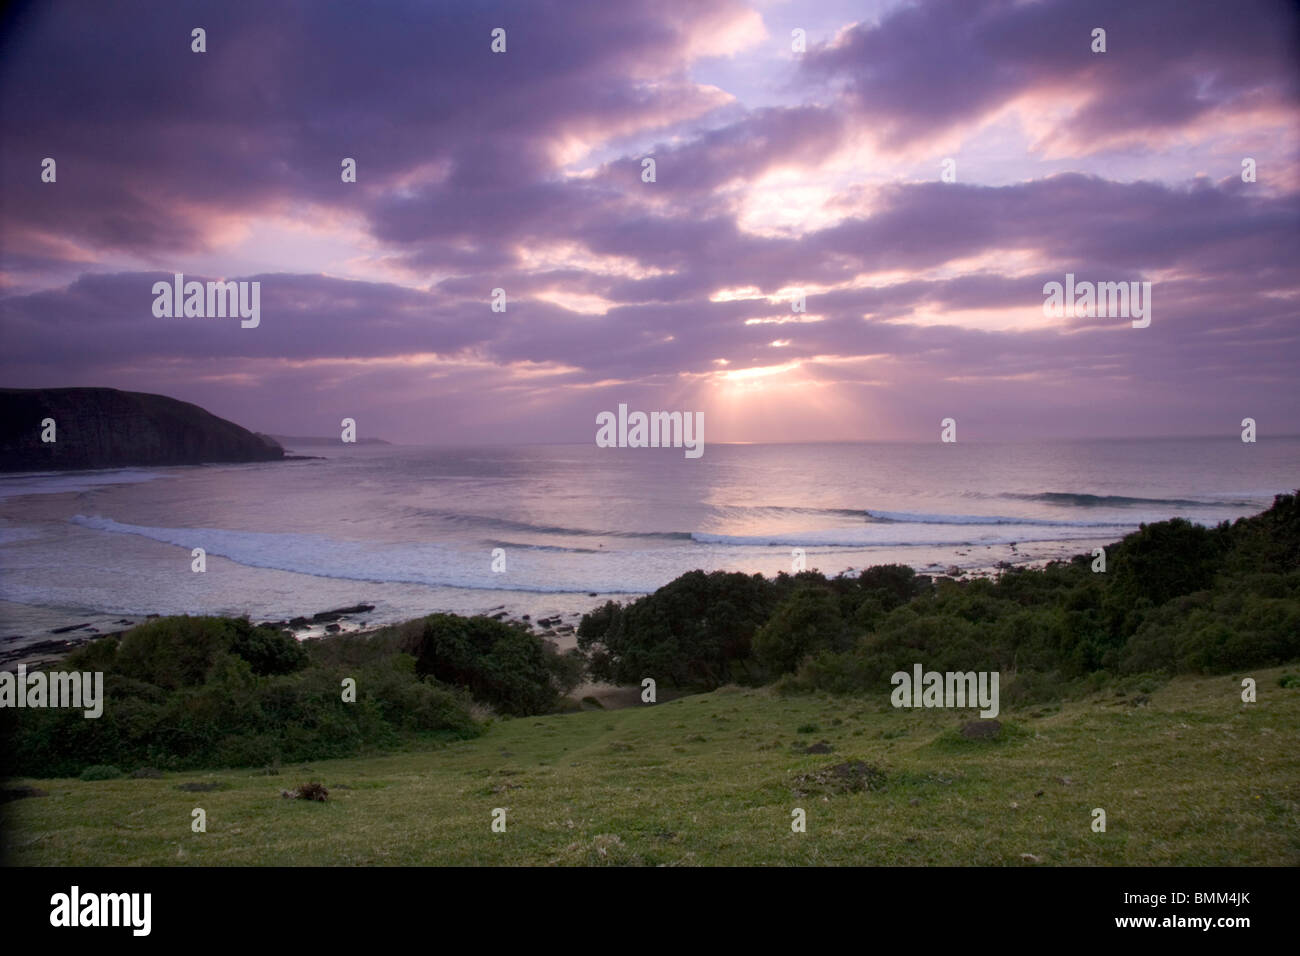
{"points": [[415, 529]]}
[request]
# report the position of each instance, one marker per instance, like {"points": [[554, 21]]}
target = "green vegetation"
{"points": [[1188, 776], [1120, 690], [185, 692], [695, 630], [1175, 598], [501, 664]]}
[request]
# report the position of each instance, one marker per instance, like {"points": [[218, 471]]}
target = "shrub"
{"points": [[805, 623], [267, 650], [502, 664], [695, 630], [101, 772], [232, 716]]}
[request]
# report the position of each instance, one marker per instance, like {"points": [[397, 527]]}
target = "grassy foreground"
{"points": [[1187, 775]]}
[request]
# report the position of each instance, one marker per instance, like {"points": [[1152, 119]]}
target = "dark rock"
{"points": [[354, 609], [325, 616], [981, 729], [299, 622], [70, 627], [332, 628], [108, 428], [592, 594]]}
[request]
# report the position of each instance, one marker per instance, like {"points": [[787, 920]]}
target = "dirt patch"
{"points": [[852, 776], [307, 791], [821, 747]]}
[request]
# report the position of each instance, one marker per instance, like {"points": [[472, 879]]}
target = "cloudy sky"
{"points": [[777, 172]]}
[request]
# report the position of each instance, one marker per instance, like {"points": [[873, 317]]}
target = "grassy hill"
{"points": [[1186, 772]]}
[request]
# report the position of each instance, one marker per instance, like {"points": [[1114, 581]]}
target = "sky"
{"points": [[778, 172]]}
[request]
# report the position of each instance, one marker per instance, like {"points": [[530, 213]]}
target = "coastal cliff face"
{"points": [[108, 428]]}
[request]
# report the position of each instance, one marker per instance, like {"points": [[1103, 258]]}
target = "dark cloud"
{"points": [[929, 67], [463, 189]]}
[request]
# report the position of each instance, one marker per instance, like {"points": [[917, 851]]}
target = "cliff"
{"points": [[108, 428]]}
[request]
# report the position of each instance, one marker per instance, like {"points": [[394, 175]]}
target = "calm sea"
{"points": [[412, 529]]}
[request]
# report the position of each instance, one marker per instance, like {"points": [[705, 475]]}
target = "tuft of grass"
{"points": [[101, 772]]}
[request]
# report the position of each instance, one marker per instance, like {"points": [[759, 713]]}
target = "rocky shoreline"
{"points": [[39, 651]]}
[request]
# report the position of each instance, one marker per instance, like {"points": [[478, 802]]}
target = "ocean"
{"points": [[412, 530]]}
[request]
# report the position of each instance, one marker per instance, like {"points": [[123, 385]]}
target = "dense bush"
{"points": [[201, 692], [1176, 597], [176, 652], [695, 630], [806, 622], [501, 664]]}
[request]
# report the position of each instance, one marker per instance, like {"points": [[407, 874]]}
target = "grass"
{"points": [[1187, 775]]}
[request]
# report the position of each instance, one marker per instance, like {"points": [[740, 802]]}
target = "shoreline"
{"points": [[70, 628]]}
